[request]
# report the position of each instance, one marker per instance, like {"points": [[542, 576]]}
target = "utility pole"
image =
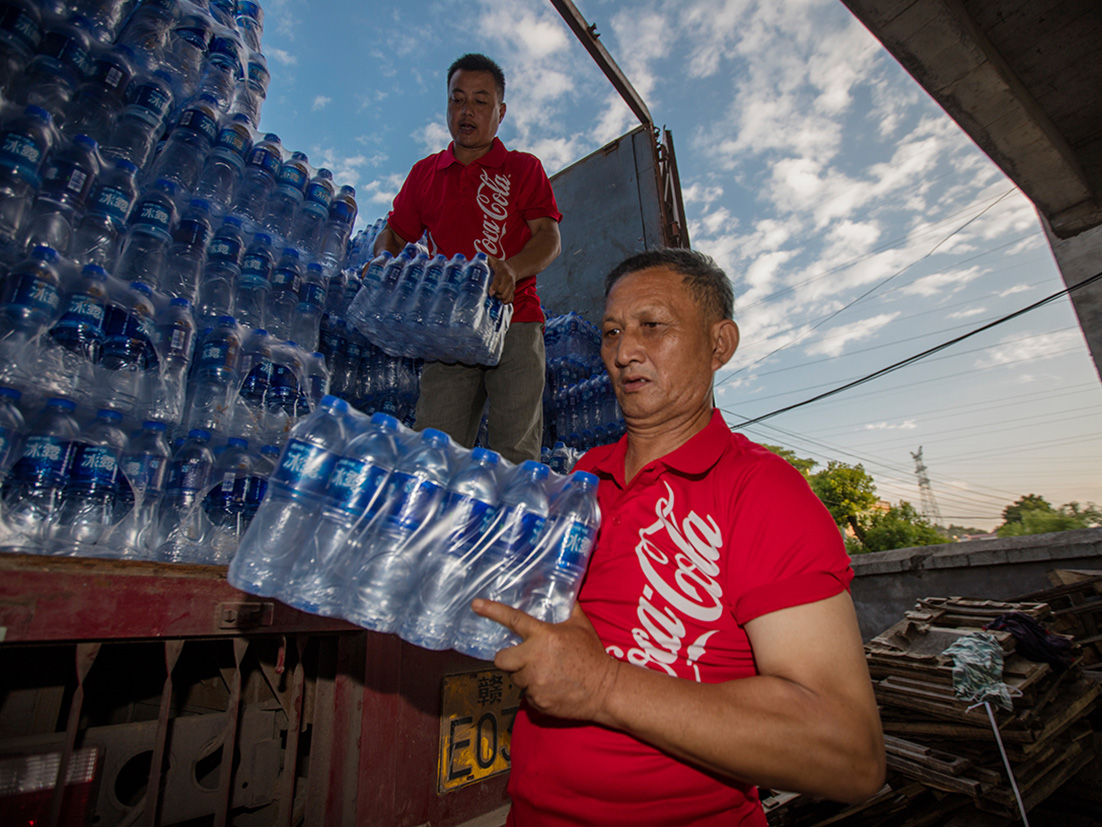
{"points": [[929, 504]]}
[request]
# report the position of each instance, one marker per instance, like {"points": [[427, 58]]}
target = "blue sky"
{"points": [[858, 223]]}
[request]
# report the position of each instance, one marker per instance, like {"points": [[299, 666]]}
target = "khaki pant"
{"points": [[453, 396]]}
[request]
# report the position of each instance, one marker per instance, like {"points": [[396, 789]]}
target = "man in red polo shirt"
{"points": [[478, 197], [714, 647]]}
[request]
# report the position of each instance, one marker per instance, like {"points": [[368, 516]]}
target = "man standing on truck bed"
{"points": [[477, 196], [714, 646]]}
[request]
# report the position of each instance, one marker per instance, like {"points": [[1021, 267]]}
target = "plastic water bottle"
{"points": [[11, 428], [249, 19], [59, 66], [264, 465], [306, 233], [306, 322], [29, 302], [276, 537], [67, 178], [222, 67], [379, 588], [148, 100], [180, 521], [286, 400], [333, 242], [317, 379], [553, 585], [176, 332], [510, 557], [251, 88], [223, 12], [262, 164], [352, 498], [214, 377], [184, 264], [103, 15], [442, 591], [20, 34], [472, 294], [25, 141], [250, 415], [79, 333], [150, 232], [426, 292], [224, 166], [219, 284], [283, 203], [146, 29], [224, 505], [109, 204], [87, 509], [185, 151], [185, 53], [100, 99], [286, 282], [144, 468], [253, 283], [129, 333], [35, 483], [439, 318]]}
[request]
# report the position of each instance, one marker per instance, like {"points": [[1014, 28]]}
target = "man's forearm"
{"points": [[388, 240], [542, 248]]}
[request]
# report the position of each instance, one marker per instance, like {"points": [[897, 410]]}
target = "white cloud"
{"points": [[1031, 349], [906, 425], [281, 56], [433, 137], [835, 343], [967, 314], [942, 284], [320, 102], [1010, 291]]}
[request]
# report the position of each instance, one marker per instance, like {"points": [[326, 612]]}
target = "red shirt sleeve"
{"points": [[789, 550]]}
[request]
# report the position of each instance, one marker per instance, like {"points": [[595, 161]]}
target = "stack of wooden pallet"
{"points": [[942, 756]]}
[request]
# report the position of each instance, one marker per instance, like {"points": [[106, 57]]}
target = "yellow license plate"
{"points": [[475, 727]]}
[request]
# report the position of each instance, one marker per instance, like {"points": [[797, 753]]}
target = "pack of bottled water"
{"points": [[579, 406], [437, 309], [397, 531]]}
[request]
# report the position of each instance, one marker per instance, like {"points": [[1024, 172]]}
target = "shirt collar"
{"points": [[494, 158], [692, 458]]}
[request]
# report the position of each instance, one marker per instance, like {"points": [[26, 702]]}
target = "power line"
{"points": [[912, 359]]}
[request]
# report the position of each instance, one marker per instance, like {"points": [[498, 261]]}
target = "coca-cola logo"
{"points": [[493, 200], [680, 560]]}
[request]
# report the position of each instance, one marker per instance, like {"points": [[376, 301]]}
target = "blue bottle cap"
{"points": [[63, 404], [226, 320], [237, 442], [153, 426], [262, 238], [434, 436], [200, 434], [94, 271], [335, 402], [127, 166], [11, 393], [260, 332], [536, 469], [270, 449], [142, 287], [200, 204], [88, 142], [44, 252], [180, 301], [485, 455], [37, 112], [382, 420], [585, 477], [109, 415]]}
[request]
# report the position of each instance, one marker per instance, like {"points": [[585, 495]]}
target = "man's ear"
{"points": [[501, 113], [725, 339]]}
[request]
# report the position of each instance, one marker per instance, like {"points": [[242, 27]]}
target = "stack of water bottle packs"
{"points": [[433, 308], [580, 407], [398, 531]]}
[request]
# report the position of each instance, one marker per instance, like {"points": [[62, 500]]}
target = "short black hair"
{"points": [[474, 62], [705, 279]]}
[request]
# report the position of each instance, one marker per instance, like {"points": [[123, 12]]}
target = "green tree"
{"points": [[901, 526], [801, 464], [847, 491], [1067, 517], [1030, 502]]}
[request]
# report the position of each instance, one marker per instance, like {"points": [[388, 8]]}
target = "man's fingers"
{"points": [[513, 619]]}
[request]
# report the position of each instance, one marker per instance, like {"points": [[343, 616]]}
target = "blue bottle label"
{"points": [[94, 466], [256, 266], [234, 141], [145, 472], [67, 50], [283, 381], [216, 355], [353, 484], [22, 152], [470, 518], [319, 194], [342, 212], [411, 500], [45, 461], [225, 249], [21, 26], [178, 341], [304, 468], [255, 489], [83, 311], [265, 158], [152, 98], [36, 294], [293, 176], [287, 279], [200, 122], [154, 216], [113, 202], [192, 233], [188, 476], [224, 46], [573, 551], [65, 178], [258, 74], [355, 352], [312, 294]]}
